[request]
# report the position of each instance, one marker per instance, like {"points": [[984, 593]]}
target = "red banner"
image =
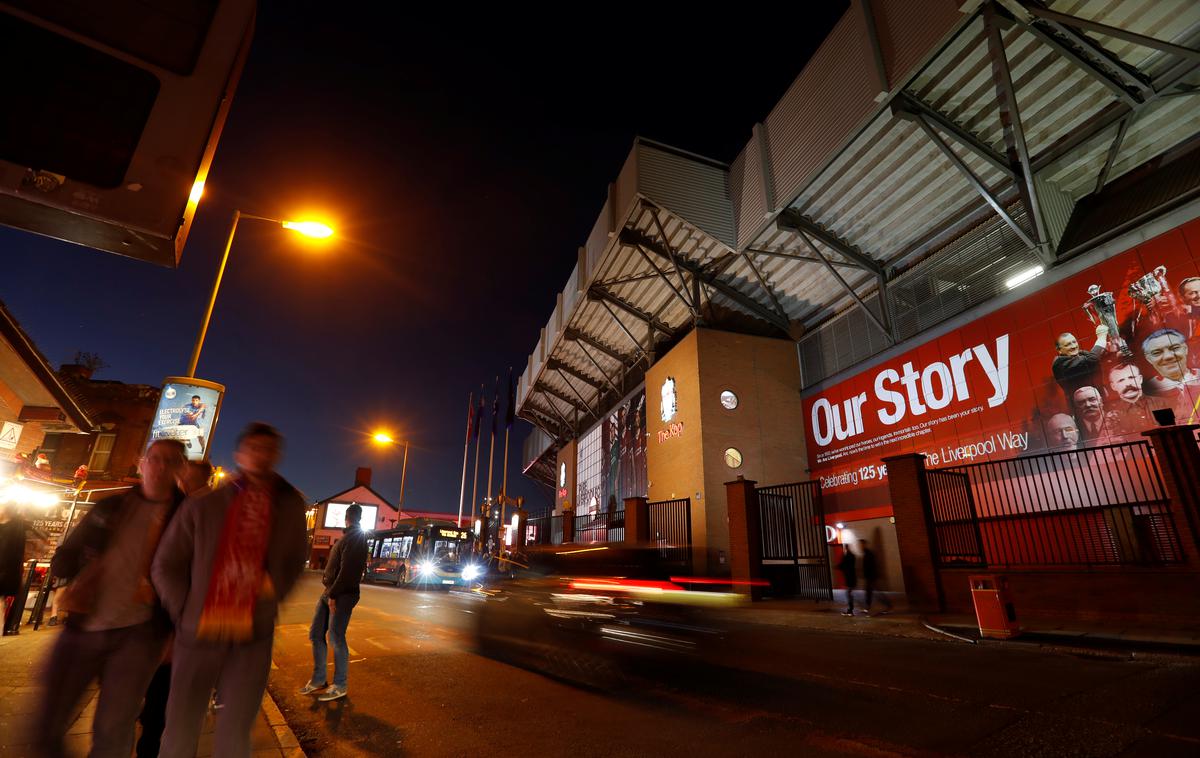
{"points": [[1086, 361]]}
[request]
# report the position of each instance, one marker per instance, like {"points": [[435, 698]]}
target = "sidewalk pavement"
{"points": [[21, 660], [901, 622]]}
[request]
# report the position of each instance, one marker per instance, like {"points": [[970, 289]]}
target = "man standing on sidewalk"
{"points": [[223, 569], [342, 578], [115, 630], [870, 572], [848, 565]]}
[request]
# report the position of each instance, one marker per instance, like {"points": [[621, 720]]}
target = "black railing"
{"points": [[544, 529], [605, 526], [671, 530], [1097, 506], [794, 552]]}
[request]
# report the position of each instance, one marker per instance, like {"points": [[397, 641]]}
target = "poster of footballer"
{"points": [[187, 411]]}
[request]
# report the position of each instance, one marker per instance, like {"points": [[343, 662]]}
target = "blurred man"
{"points": [[224, 568], [194, 478], [848, 565], [1074, 368], [1089, 410], [12, 562], [1129, 411], [343, 575], [1061, 431], [870, 572], [115, 629]]}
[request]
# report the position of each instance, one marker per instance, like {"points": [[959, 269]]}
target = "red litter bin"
{"points": [[994, 607]]}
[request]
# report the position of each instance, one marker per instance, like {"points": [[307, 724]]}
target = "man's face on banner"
{"points": [[1167, 353], [1068, 345], [1088, 405], [196, 401], [1126, 382], [1062, 431], [1191, 291]]}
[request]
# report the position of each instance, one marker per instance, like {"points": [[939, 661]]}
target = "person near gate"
{"points": [[870, 572], [224, 567], [343, 574], [848, 565]]}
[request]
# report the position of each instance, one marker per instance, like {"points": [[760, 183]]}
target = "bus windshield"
{"points": [[448, 551]]}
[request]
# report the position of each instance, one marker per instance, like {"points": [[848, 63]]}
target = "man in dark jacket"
{"points": [[116, 630], [12, 562], [342, 577], [870, 572], [848, 565], [224, 568]]}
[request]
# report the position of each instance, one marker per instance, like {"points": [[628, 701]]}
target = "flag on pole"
{"points": [[495, 406], [478, 416], [512, 400]]}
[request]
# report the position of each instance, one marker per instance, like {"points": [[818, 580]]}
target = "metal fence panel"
{"points": [[671, 530], [794, 552]]}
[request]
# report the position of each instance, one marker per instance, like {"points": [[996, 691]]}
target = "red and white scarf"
{"points": [[239, 575]]}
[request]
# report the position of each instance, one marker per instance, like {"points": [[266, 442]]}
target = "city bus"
{"points": [[424, 553]]}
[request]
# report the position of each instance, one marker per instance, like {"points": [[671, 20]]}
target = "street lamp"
{"points": [[383, 438], [313, 229]]}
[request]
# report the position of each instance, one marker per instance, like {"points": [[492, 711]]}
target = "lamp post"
{"points": [[307, 228], [383, 438]]}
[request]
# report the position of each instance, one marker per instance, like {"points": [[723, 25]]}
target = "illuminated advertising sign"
{"points": [[1083, 362], [335, 515], [187, 411], [611, 459]]}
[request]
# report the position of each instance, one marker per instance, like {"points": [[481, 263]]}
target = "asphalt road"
{"points": [[417, 688]]}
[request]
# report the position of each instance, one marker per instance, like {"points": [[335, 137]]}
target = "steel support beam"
{"points": [[766, 287], [608, 298], [666, 243], [793, 221], [557, 365], [600, 369], [801, 258], [1113, 150], [909, 108], [685, 300], [633, 237], [881, 323], [1113, 31], [1014, 132], [975, 182], [586, 339], [636, 342], [1068, 47], [577, 394], [581, 405]]}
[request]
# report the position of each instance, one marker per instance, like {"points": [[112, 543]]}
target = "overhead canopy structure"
{"points": [[30, 389], [925, 155]]}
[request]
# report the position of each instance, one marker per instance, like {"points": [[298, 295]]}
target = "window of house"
{"points": [[102, 451]]}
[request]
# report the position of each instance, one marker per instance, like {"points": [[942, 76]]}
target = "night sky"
{"points": [[463, 161]]}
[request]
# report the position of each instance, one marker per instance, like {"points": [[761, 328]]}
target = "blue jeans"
{"points": [[336, 627]]}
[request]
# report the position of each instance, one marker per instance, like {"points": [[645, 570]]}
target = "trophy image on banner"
{"points": [[1150, 289], [1101, 308]]}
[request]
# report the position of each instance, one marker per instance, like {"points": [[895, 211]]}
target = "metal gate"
{"points": [[671, 530], [956, 537], [795, 556]]}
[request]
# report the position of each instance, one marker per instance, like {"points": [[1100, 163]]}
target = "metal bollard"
{"points": [[12, 624], [39, 603]]}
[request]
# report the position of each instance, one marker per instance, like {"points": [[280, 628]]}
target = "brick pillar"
{"points": [[745, 535], [906, 481], [568, 517], [519, 537], [637, 521], [1179, 461]]}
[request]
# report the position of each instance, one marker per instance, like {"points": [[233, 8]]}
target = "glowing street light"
{"points": [[313, 229], [382, 437]]}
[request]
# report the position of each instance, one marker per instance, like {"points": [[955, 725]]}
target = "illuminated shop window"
{"points": [[733, 457], [729, 400]]}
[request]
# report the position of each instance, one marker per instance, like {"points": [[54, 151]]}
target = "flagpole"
{"points": [[504, 471], [475, 477], [462, 489], [492, 445]]}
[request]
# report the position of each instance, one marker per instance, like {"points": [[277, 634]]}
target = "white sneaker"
{"points": [[333, 693], [310, 688]]}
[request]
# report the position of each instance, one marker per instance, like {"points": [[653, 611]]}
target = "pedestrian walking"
{"points": [[870, 572], [12, 562], [342, 578], [192, 479], [115, 629], [225, 566], [848, 565]]}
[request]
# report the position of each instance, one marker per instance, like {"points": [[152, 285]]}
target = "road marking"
{"points": [[351, 650], [378, 644], [273, 666]]}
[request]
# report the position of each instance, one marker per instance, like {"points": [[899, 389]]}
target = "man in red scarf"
{"points": [[223, 568]]}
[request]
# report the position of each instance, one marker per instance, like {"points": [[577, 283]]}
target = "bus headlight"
{"points": [[470, 573], [427, 568]]}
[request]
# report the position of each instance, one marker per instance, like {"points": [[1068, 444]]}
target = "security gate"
{"points": [[671, 530], [795, 558]]}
